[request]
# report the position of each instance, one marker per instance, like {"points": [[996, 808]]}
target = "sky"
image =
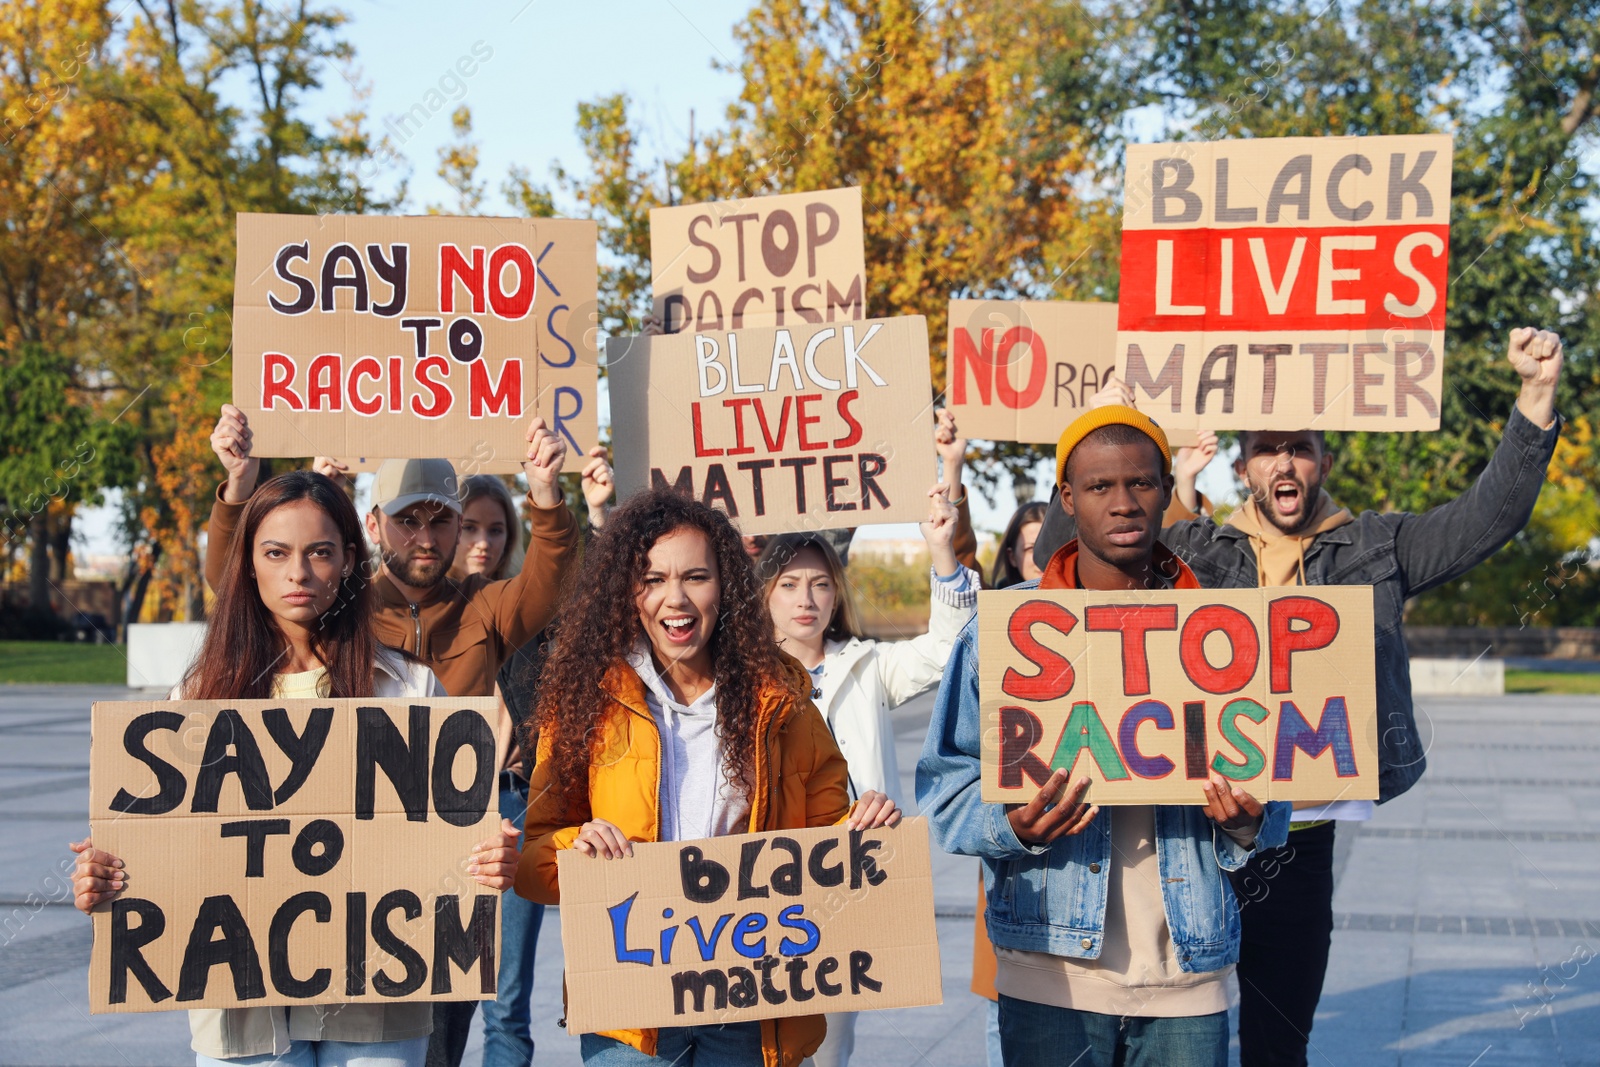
{"points": [[533, 62]]}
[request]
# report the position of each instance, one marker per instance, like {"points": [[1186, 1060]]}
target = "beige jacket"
{"points": [[230, 1033]]}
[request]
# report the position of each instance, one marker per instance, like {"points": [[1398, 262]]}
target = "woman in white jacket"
{"points": [[856, 681], [293, 618]]}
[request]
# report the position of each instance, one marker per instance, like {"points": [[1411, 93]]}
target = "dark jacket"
{"points": [[1397, 553]]}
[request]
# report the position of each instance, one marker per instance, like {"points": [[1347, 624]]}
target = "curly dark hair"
{"points": [[599, 626]]}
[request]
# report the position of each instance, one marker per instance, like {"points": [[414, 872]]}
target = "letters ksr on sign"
{"points": [[501, 282], [778, 241], [794, 942], [1295, 624]]}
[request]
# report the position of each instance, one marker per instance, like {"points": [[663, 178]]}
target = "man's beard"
{"points": [[416, 575]]}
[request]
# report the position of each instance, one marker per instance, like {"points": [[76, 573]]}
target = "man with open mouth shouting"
{"points": [[1290, 532]]}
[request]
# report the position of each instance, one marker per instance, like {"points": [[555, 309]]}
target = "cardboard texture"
{"points": [[1148, 693], [1021, 370], [760, 261], [802, 428], [415, 337], [753, 926], [1286, 283], [293, 852]]}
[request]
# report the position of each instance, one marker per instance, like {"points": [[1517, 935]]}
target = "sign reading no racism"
{"points": [[1022, 370], [293, 852], [801, 428], [428, 336], [759, 261], [1286, 283], [752, 926], [1150, 693]]}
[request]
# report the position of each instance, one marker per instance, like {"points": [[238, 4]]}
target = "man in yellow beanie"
{"points": [[1289, 531], [1109, 941]]}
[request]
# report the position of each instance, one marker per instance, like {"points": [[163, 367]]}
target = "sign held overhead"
{"points": [[759, 261], [800, 428], [1286, 283], [415, 337], [1021, 370]]}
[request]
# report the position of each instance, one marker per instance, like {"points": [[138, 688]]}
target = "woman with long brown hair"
{"points": [[293, 618], [668, 713]]}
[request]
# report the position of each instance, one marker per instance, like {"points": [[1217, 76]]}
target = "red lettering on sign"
{"points": [[1055, 676], [1322, 626], [277, 382], [1134, 621], [495, 398], [453, 267], [442, 398], [1246, 648]]}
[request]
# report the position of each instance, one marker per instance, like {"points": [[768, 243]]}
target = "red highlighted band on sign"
{"points": [[1284, 278]]}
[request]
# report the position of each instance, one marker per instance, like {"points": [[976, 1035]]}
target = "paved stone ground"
{"points": [[1469, 910]]}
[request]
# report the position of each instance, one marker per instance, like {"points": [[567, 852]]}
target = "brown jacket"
{"points": [[463, 630], [800, 781]]}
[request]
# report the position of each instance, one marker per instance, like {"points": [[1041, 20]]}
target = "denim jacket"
{"points": [[1052, 898], [1397, 553]]}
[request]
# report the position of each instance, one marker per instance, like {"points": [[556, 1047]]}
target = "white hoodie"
{"points": [[863, 680]]}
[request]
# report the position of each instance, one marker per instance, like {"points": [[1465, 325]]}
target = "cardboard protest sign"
{"points": [[1021, 370], [1148, 693], [759, 261], [753, 926], [429, 336], [1286, 283], [799, 428], [293, 852]]}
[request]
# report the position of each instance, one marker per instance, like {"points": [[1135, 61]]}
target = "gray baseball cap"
{"points": [[403, 482]]}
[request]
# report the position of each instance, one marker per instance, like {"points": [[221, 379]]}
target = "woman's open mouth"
{"points": [[680, 629]]}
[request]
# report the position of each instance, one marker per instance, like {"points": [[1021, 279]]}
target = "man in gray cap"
{"points": [[464, 630]]}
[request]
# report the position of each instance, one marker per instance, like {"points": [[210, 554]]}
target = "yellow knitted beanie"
{"points": [[1110, 415]]}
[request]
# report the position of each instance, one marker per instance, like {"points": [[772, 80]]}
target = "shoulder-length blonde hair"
{"points": [[780, 550], [490, 485]]}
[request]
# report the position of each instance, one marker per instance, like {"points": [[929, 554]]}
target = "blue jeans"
{"points": [[1042, 1035], [408, 1053], [508, 1019], [994, 1056], [729, 1045]]}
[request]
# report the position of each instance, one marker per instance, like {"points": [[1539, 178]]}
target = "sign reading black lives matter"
{"points": [[293, 852], [751, 926], [794, 428]]}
